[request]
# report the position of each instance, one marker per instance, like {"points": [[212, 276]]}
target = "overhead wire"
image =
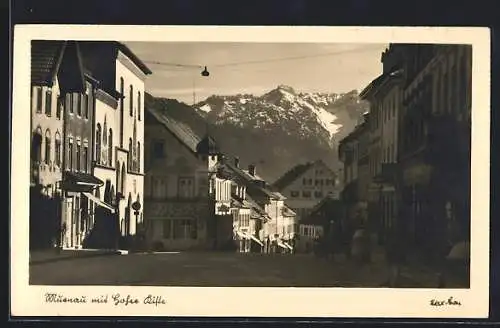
{"points": [[231, 64]]}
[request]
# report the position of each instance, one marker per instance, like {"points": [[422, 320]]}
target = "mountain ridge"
{"points": [[276, 130]]}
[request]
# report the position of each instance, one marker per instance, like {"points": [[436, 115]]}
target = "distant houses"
{"points": [[197, 197]]}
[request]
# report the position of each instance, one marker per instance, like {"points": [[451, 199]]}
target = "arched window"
{"points": [[98, 144], [36, 151], [110, 147], [130, 161], [105, 133], [47, 146], [139, 105], [57, 149], [138, 157], [118, 177], [122, 186], [131, 100]]}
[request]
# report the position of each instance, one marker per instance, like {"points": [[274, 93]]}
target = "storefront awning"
{"points": [[99, 202], [252, 237], [282, 245], [79, 181], [288, 245]]}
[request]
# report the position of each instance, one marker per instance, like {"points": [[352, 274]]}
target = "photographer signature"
{"points": [[449, 301]]}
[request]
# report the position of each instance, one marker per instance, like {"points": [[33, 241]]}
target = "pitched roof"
{"points": [[180, 131], [291, 175], [375, 85], [46, 57], [252, 182], [100, 49]]}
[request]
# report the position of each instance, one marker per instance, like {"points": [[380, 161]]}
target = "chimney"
{"points": [[251, 169], [237, 161]]}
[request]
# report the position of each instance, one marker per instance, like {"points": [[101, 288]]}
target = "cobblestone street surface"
{"points": [[221, 269]]}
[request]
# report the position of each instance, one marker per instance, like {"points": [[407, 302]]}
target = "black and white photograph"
{"points": [[265, 166]]}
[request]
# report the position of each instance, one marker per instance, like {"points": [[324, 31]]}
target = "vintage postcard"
{"points": [[250, 171]]}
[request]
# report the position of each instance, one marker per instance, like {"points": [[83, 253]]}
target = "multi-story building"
{"points": [[77, 89], [118, 130], [354, 153], [385, 97], [434, 152], [179, 214], [46, 146], [305, 185]]}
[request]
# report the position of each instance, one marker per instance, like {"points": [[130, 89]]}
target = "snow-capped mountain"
{"points": [[275, 130], [306, 115]]}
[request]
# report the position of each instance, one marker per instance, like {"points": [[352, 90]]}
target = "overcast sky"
{"points": [[256, 67]]}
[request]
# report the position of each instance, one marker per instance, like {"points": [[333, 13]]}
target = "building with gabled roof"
{"points": [[305, 184]]}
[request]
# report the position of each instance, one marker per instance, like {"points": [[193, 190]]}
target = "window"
{"points": [[167, 228], [318, 194], [39, 103], [85, 157], [71, 104], [139, 105], [85, 105], [316, 182], [98, 143], [110, 147], [294, 193], [47, 147], [184, 229], [78, 157], [304, 181], [78, 104], [186, 187], [138, 157], [70, 155], [306, 194], [57, 158], [48, 103], [131, 94], [60, 106], [158, 149], [118, 178], [130, 164], [159, 187]]}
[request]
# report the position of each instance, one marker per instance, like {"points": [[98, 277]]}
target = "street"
{"points": [[212, 269]]}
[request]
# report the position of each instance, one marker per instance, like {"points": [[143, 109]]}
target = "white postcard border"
{"points": [[262, 302]]}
